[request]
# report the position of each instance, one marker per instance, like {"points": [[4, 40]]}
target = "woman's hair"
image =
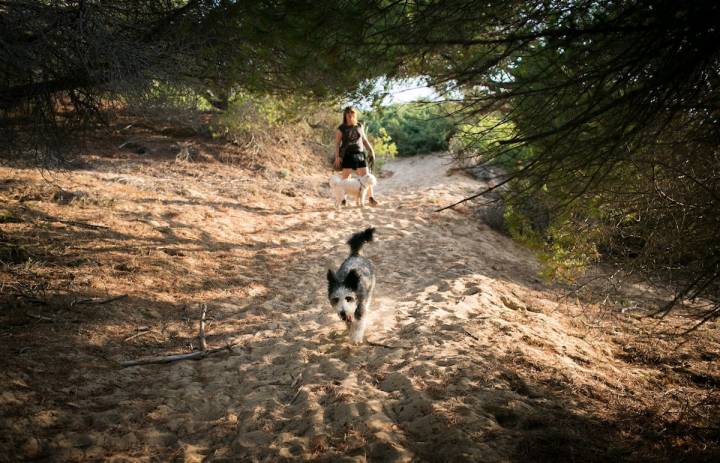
{"points": [[346, 111]]}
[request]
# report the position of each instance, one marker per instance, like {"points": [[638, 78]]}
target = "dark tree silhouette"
{"points": [[64, 63]]}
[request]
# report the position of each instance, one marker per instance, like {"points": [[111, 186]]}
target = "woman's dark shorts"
{"points": [[352, 161]]}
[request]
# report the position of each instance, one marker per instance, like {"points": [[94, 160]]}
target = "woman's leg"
{"points": [[345, 174], [362, 171]]}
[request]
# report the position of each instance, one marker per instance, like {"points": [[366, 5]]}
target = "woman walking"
{"points": [[350, 139]]}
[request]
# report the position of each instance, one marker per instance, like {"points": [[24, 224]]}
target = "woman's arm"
{"points": [[338, 141], [366, 142]]}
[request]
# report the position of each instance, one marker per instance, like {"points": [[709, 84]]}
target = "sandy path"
{"points": [[297, 390], [479, 366]]}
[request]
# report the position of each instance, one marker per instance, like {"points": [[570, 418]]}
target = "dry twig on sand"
{"points": [[203, 344], [471, 335], [183, 154], [202, 353], [99, 301], [143, 333], [83, 224], [177, 357], [40, 317], [377, 344], [76, 223]]}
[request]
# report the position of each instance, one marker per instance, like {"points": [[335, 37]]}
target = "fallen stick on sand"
{"points": [[377, 344], [75, 223], [100, 301], [84, 225], [30, 299], [177, 357], [203, 344], [201, 354], [143, 333], [41, 317], [471, 335]]}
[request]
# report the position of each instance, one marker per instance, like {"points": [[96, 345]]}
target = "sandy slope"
{"points": [[479, 363]]}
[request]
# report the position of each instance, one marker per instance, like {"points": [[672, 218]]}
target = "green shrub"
{"points": [[385, 148], [564, 243], [415, 128]]}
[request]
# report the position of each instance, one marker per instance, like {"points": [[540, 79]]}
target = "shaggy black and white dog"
{"points": [[350, 289]]}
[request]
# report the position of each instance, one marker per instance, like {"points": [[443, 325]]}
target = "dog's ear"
{"points": [[332, 281], [352, 280]]}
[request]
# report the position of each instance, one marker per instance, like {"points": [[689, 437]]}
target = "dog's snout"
{"points": [[343, 315]]}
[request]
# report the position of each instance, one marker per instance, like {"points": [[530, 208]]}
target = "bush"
{"points": [[251, 117], [263, 124], [564, 240], [385, 148], [416, 128]]}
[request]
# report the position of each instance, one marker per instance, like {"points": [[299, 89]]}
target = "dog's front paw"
{"points": [[357, 329]]}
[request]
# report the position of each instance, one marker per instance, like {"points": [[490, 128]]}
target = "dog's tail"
{"points": [[358, 239]]}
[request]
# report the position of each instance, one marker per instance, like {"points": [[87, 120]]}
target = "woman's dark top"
{"points": [[351, 139]]}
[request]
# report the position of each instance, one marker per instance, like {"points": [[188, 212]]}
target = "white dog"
{"points": [[352, 187]]}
